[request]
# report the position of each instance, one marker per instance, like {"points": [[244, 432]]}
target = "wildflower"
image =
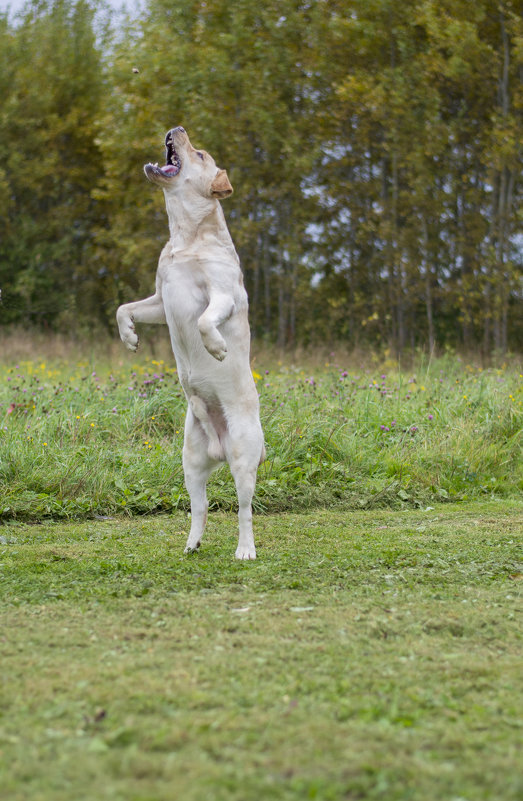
{"points": [[92, 425], [465, 397], [430, 417], [45, 444], [153, 417]]}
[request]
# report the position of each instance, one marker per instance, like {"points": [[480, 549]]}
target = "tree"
{"points": [[52, 85], [374, 147], [236, 76], [408, 124]]}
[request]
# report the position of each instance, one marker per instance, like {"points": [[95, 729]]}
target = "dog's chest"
{"points": [[184, 291]]}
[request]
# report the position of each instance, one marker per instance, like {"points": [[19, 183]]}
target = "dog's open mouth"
{"points": [[173, 163]]}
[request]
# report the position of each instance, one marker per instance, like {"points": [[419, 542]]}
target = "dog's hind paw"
{"points": [[245, 552]]}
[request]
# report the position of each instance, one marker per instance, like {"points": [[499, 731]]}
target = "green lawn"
{"points": [[365, 655]]}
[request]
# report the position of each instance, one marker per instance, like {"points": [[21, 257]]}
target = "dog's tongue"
{"points": [[169, 169]]}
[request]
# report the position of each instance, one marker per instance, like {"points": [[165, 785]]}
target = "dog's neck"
{"points": [[202, 222]]}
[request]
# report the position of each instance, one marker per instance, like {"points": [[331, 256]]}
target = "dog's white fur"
{"points": [[201, 297]]}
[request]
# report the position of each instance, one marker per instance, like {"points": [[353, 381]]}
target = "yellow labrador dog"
{"points": [[201, 297]]}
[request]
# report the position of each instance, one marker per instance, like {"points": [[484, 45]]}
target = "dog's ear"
{"points": [[221, 186]]}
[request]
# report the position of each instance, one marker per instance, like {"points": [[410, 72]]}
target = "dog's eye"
{"points": [[200, 154]]}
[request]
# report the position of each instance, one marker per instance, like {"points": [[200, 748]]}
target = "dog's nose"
{"points": [[180, 129]]}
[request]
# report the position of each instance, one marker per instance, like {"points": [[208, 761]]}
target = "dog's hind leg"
{"points": [[244, 452], [197, 467], [214, 446]]}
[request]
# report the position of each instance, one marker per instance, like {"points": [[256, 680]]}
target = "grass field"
{"points": [[99, 436], [372, 655], [373, 651]]}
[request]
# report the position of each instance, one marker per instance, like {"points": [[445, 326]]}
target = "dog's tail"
{"points": [[214, 448]]}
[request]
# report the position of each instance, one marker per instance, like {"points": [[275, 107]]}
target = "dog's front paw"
{"points": [[245, 552], [128, 334], [219, 353], [215, 344]]}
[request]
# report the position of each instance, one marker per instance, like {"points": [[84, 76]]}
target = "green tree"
{"points": [[52, 85], [374, 146], [422, 122], [236, 75]]}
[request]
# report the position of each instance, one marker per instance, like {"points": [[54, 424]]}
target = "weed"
{"points": [[79, 439]]}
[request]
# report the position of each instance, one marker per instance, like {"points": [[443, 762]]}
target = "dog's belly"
{"points": [[220, 384]]}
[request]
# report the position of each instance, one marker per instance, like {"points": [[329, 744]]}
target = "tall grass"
{"points": [[100, 436]]}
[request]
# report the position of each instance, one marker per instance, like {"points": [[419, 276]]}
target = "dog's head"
{"points": [[186, 166]]}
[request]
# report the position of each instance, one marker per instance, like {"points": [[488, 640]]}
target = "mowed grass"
{"points": [[102, 436], [365, 655]]}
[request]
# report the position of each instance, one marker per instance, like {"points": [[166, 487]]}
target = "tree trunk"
{"points": [[281, 314], [428, 286]]}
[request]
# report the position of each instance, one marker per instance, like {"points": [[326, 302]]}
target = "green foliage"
{"points": [[80, 439], [53, 84], [374, 147]]}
